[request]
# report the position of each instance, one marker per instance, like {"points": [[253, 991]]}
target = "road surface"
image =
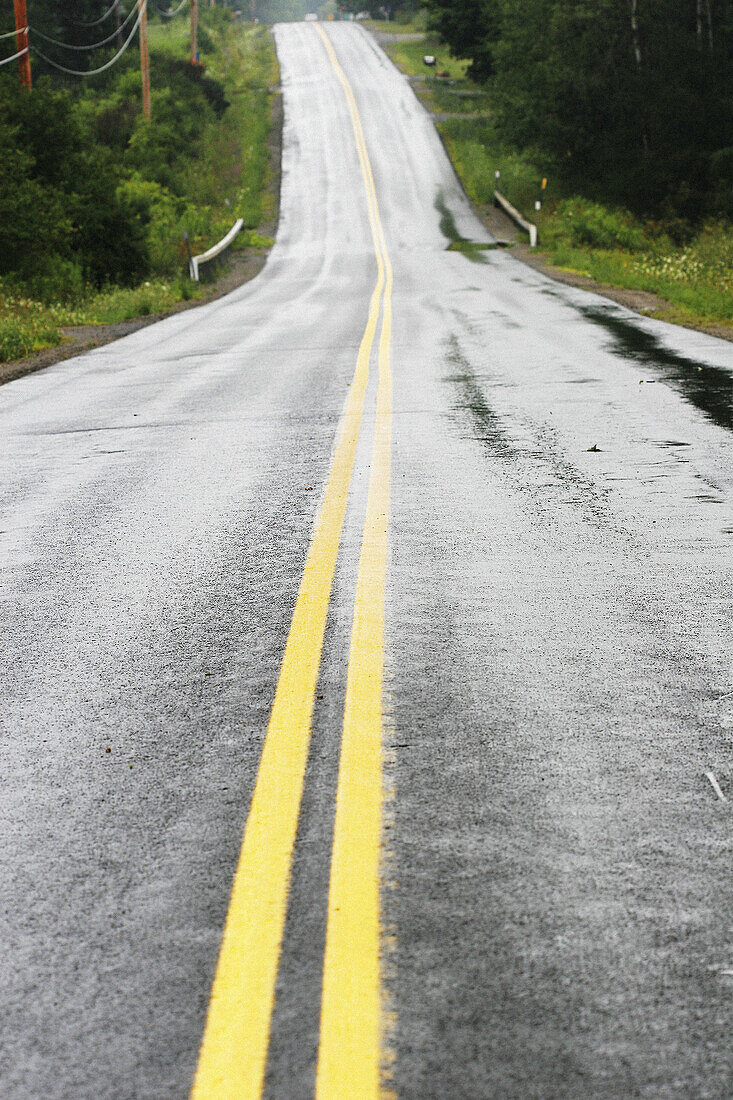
{"points": [[379, 613]]}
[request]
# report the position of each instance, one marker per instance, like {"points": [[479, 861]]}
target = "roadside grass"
{"points": [[27, 325], [694, 277], [229, 178], [477, 154], [403, 23], [408, 56], [688, 278], [607, 244], [456, 97]]}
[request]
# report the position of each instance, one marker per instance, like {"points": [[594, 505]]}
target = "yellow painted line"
{"points": [[233, 1054], [350, 1047]]}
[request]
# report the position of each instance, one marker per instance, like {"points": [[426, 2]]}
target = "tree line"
{"points": [[91, 192], [634, 97]]}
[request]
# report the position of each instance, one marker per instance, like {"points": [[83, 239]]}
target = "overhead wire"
{"points": [[96, 22], [141, 6], [12, 34], [94, 45], [171, 12], [7, 60]]}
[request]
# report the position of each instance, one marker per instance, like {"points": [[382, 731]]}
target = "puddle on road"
{"points": [[472, 249], [709, 388]]}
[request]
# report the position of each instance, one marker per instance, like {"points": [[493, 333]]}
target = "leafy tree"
{"points": [[58, 192], [633, 96], [470, 29]]}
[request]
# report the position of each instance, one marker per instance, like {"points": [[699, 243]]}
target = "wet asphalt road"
{"points": [[556, 865]]}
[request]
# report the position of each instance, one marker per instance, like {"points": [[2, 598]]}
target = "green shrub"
{"points": [[161, 212], [590, 223], [52, 279], [58, 192], [93, 196]]}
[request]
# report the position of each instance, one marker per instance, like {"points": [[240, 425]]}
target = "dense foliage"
{"points": [[634, 97], [92, 193]]}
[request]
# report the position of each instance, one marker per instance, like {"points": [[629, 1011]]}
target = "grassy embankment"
{"points": [[227, 178], [692, 271]]}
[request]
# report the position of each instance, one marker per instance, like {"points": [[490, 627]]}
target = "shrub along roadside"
{"points": [[690, 268], [27, 325], [101, 198]]}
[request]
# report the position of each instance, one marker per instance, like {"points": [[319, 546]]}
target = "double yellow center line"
{"points": [[233, 1055]]}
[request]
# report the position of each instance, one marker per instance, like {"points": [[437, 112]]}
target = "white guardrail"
{"points": [[516, 217], [214, 251]]}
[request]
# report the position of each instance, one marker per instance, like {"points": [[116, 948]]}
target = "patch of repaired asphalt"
{"points": [[472, 249]]}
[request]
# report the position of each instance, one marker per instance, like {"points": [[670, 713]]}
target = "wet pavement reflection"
{"points": [[709, 388]]}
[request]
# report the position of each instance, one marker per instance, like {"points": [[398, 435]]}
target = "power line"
{"points": [[142, 4], [96, 22], [171, 12], [95, 45], [12, 34], [7, 60]]}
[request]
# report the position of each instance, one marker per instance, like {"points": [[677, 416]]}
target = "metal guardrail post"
{"points": [[528, 227], [215, 250]]}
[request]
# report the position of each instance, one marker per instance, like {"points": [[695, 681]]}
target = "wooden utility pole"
{"points": [[145, 57], [21, 40], [194, 29]]}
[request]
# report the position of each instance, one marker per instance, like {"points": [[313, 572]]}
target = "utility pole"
{"points": [[145, 57], [194, 29], [21, 40], [118, 22]]}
